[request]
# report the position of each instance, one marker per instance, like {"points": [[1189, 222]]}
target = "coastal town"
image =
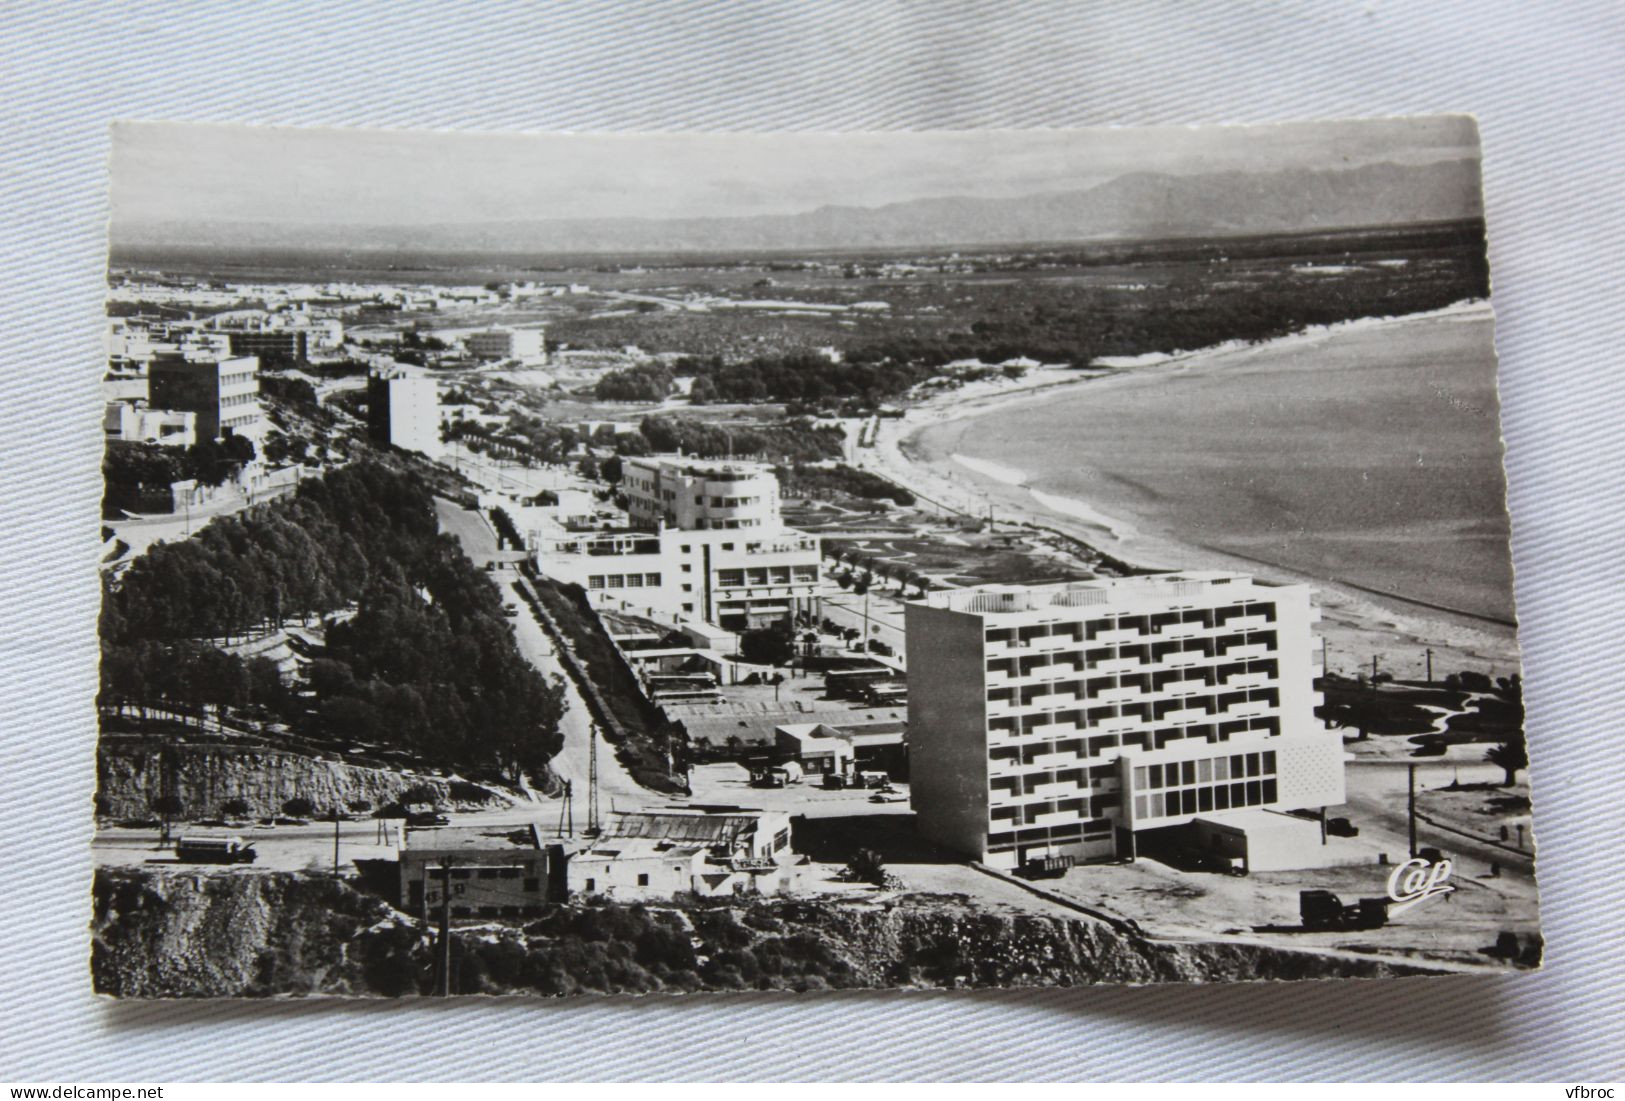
{"points": [[790, 660], [846, 563]]}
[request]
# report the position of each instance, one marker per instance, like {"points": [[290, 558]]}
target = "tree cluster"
{"points": [[788, 441], [802, 480], [427, 663], [137, 475], [645, 382]]}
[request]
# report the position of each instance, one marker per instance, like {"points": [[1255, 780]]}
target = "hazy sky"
{"points": [[163, 171]]}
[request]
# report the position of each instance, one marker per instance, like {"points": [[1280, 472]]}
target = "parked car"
{"points": [[432, 818], [1342, 827]]}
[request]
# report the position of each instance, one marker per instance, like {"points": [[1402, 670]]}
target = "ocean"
{"points": [[1369, 455]]}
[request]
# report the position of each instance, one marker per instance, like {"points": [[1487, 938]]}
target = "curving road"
{"points": [[617, 790]]}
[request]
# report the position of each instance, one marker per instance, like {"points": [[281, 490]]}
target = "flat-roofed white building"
{"points": [[169, 427], [698, 494], [706, 541], [404, 411], [526, 345], [735, 579], [1061, 720], [705, 850]]}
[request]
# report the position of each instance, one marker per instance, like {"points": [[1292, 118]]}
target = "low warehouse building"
{"points": [[701, 849], [491, 871]]}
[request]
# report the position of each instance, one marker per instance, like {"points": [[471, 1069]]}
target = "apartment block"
{"points": [[224, 393], [404, 411], [529, 345], [1075, 719], [287, 345]]}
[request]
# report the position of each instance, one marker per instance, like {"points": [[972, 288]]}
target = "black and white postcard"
{"points": [[584, 564]]}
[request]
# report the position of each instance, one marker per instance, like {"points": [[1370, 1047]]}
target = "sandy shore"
{"points": [[1356, 623]]}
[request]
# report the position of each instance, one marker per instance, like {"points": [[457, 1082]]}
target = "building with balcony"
{"points": [[1072, 719], [224, 393], [706, 540], [404, 411], [735, 579], [697, 495], [526, 345], [283, 345]]}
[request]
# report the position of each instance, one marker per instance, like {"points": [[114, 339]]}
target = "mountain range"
{"points": [[1133, 205]]}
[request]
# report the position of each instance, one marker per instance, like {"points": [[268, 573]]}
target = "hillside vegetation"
{"points": [[427, 662]]}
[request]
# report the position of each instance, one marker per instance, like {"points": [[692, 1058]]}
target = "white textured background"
{"points": [[1546, 81]]}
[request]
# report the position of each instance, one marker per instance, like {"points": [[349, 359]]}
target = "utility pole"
{"points": [[445, 928], [1430, 666], [592, 780], [1373, 669], [335, 841], [1325, 666], [1412, 808], [565, 813]]}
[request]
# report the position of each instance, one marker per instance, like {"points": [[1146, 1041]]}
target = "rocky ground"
{"points": [[213, 934]]}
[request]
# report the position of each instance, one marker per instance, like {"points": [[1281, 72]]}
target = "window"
{"points": [[643, 879], [592, 885]]}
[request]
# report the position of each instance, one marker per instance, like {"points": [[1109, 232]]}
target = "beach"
{"points": [[1363, 458]]}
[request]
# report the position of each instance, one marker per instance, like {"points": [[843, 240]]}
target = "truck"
{"points": [[214, 850], [1323, 910], [776, 776], [1045, 867]]}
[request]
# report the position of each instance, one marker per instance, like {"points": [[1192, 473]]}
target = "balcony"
{"points": [[1247, 680], [1250, 650], [1053, 760], [1121, 634], [1115, 665]]}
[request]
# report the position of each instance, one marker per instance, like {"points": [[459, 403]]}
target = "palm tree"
{"points": [[1510, 755]]}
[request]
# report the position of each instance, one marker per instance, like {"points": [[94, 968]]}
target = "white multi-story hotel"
{"points": [[706, 541], [697, 495], [1062, 720], [404, 411]]}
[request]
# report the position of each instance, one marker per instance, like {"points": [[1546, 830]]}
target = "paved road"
{"points": [[616, 788]]}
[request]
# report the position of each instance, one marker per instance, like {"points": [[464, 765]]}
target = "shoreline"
{"points": [[1358, 621]]}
